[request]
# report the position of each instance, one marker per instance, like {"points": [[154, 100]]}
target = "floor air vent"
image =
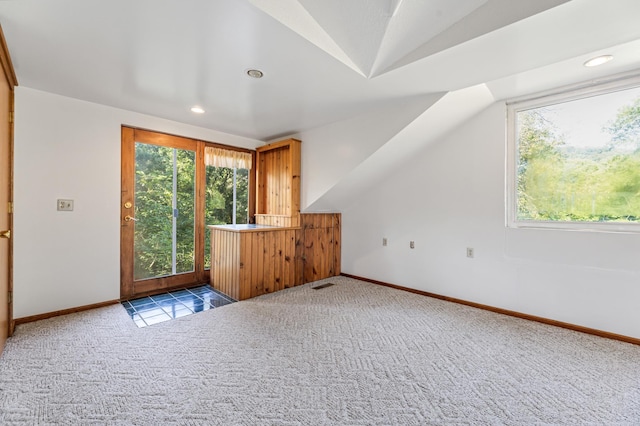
{"points": [[325, 285]]}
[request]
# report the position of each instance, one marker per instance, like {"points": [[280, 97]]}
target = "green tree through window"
{"points": [[154, 228], [579, 160], [219, 200]]}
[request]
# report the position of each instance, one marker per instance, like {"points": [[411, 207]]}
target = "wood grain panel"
{"points": [[225, 262], [318, 246], [258, 286], [276, 220], [6, 193], [278, 182], [249, 264], [299, 258], [127, 196], [295, 172], [337, 243]]}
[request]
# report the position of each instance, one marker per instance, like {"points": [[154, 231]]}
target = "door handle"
{"points": [[128, 218], [6, 234]]}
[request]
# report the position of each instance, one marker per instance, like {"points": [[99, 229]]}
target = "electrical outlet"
{"points": [[384, 242], [412, 244], [65, 205], [469, 251]]}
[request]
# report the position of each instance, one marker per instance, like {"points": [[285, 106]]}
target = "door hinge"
{"points": [[10, 116], [10, 297], [9, 207]]}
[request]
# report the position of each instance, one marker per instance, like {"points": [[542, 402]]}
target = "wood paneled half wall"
{"points": [[251, 260]]}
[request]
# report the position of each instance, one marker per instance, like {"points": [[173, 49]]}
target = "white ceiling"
{"points": [[323, 60]]}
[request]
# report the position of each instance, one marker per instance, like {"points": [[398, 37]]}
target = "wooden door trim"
{"points": [[12, 81], [126, 228], [7, 65], [12, 324], [200, 185]]}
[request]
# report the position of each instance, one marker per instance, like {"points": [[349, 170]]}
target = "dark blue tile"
{"points": [[201, 290], [206, 297], [216, 303], [178, 313], [131, 311], [138, 303], [189, 304], [198, 305], [185, 296], [168, 303], [203, 286], [173, 307], [157, 319], [217, 300], [163, 307], [162, 297], [180, 293], [148, 310], [140, 322], [151, 313], [224, 296]]}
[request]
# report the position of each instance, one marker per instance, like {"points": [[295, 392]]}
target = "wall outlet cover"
{"points": [[65, 205]]}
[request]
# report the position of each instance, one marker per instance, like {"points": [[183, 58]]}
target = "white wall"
{"points": [[65, 148], [331, 152], [452, 197], [443, 114]]}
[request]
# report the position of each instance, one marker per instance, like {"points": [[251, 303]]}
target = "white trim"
{"points": [[562, 95], [613, 80], [609, 227], [581, 92]]}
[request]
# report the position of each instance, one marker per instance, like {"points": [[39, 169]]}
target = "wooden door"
{"points": [[162, 234], [7, 83]]}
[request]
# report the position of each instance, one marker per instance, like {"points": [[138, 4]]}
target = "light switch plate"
{"points": [[65, 205]]}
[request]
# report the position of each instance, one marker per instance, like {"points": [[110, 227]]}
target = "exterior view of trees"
{"points": [[154, 212], [557, 181], [219, 201], [165, 176]]}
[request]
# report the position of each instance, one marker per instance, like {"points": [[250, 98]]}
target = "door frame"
{"points": [[131, 135], [12, 81]]}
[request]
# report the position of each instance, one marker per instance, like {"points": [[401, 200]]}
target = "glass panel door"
{"points": [[164, 228]]}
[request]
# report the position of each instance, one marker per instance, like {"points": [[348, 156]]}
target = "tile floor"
{"points": [[167, 306]]}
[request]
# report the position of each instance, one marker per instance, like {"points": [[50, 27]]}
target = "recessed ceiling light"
{"points": [[197, 110], [598, 60], [255, 73]]}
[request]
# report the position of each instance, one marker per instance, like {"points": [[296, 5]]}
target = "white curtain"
{"points": [[220, 157]]}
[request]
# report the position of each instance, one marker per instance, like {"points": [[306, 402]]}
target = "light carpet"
{"points": [[351, 354]]}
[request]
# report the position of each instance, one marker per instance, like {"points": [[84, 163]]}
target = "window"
{"points": [[165, 211], [574, 159], [227, 190]]}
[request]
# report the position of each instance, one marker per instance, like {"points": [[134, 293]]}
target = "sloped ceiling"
{"points": [[325, 62], [373, 37]]}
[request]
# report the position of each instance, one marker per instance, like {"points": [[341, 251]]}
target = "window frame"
{"points": [[558, 96]]}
